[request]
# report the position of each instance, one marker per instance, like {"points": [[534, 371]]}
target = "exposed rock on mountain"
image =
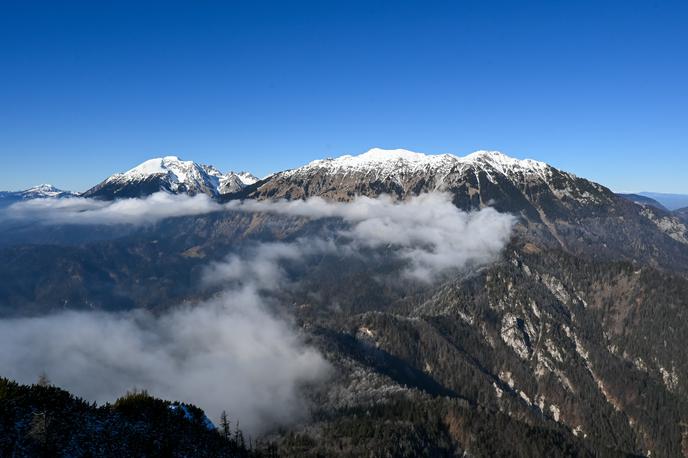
{"points": [[170, 174]]}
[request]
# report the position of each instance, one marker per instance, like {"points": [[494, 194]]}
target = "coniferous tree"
{"points": [[239, 437], [225, 427]]}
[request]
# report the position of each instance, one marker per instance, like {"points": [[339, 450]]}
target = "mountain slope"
{"points": [[169, 174], [556, 208]]}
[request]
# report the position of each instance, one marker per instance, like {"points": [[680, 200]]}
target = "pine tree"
{"points": [[225, 426], [239, 437]]}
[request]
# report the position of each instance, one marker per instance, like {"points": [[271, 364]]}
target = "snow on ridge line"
{"points": [[41, 191], [391, 160], [247, 177], [191, 175], [43, 187], [181, 168], [159, 165]]}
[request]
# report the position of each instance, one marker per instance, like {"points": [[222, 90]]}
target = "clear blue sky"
{"points": [[89, 88]]}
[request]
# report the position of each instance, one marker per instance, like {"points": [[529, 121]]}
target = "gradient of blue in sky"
{"points": [[599, 88]]}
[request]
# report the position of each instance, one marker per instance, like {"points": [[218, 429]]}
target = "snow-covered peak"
{"points": [[179, 175], [43, 190], [395, 161], [161, 165], [172, 174], [230, 182], [504, 163], [233, 182], [380, 155], [247, 178], [376, 156], [377, 160]]}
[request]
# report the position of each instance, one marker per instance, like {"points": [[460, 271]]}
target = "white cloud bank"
{"points": [[80, 210], [427, 231], [229, 353]]}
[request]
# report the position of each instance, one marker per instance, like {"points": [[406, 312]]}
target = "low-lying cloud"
{"points": [[428, 231], [134, 211], [263, 268], [228, 353]]}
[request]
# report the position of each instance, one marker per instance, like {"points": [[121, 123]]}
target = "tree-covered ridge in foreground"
{"points": [[45, 421]]}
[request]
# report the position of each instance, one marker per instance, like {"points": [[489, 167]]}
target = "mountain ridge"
{"points": [[643, 200], [669, 200]]}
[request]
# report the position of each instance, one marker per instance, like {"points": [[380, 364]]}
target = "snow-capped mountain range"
{"points": [[175, 175], [532, 188], [549, 202]]}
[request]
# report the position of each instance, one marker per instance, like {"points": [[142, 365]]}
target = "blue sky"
{"points": [[598, 88]]}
